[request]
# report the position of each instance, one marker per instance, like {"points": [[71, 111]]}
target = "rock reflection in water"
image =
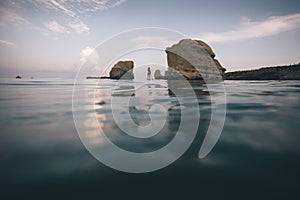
{"points": [[141, 98]]}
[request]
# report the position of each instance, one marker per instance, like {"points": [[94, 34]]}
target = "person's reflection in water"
{"points": [[149, 90]]}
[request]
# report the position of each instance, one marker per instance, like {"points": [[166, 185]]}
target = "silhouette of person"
{"points": [[148, 73]]}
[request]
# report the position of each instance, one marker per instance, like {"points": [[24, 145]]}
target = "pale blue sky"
{"points": [[46, 38]]}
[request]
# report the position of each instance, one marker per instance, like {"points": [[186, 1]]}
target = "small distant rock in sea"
{"points": [[101, 103], [18, 77], [158, 75]]}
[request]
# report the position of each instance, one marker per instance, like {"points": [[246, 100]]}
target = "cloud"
{"points": [[7, 16], [77, 7], [71, 13], [3, 42], [89, 55], [257, 29], [79, 27], [56, 27], [61, 7]]}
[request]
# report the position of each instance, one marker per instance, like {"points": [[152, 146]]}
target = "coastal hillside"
{"points": [[290, 72]]}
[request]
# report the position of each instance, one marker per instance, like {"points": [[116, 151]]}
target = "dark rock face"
{"points": [[193, 59], [291, 72], [18, 77], [122, 70]]}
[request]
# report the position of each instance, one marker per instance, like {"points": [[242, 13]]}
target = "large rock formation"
{"points": [[122, 70], [194, 60]]}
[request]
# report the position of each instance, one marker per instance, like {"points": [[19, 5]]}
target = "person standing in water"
{"points": [[148, 73]]}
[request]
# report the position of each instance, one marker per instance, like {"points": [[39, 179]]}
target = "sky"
{"points": [[52, 38]]}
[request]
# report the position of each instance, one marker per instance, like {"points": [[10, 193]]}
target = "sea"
{"points": [[44, 124]]}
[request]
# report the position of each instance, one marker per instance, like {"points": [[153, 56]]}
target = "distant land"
{"points": [[288, 72]]}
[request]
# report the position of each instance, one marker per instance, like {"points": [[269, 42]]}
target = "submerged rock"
{"points": [[194, 60], [122, 70]]}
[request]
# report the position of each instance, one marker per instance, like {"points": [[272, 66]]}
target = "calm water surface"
{"points": [[41, 155]]}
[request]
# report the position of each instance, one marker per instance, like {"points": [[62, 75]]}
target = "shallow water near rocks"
{"points": [[256, 157]]}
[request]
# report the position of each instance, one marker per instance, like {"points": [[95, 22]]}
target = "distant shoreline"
{"points": [[288, 72]]}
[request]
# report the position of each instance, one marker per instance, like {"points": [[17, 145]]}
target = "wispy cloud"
{"points": [[256, 29], [56, 27], [89, 55], [8, 16], [69, 15], [75, 10], [59, 6], [79, 27], [77, 7], [4, 42]]}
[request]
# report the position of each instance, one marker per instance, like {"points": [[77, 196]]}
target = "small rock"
{"points": [[101, 102], [122, 70]]}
